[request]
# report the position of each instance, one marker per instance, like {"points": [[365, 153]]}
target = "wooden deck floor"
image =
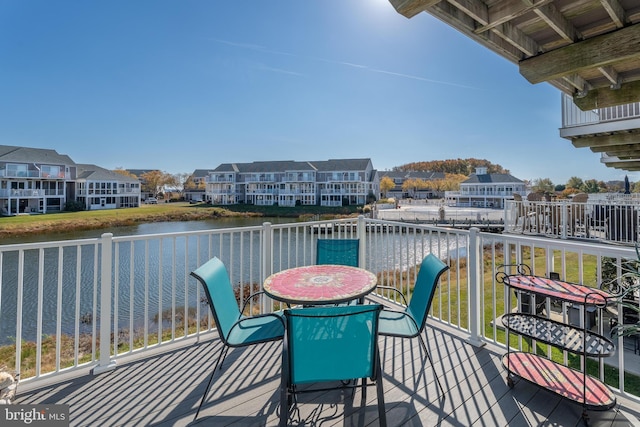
{"points": [[165, 389]]}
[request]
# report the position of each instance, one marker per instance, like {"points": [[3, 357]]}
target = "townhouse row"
{"points": [[335, 182], [34, 180]]}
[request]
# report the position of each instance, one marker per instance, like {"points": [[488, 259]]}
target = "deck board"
{"points": [[165, 389]]}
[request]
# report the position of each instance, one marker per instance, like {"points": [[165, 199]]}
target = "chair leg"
{"points": [[221, 357], [382, 413], [435, 374]]}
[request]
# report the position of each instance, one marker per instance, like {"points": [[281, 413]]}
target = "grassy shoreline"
{"points": [[22, 225]]}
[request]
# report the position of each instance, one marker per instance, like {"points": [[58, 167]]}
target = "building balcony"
{"points": [[32, 174], [613, 131], [467, 193], [6, 193], [140, 369], [246, 390]]}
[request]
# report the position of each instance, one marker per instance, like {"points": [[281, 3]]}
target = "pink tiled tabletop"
{"points": [[320, 284]]}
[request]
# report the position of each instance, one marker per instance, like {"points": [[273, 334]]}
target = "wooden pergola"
{"points": [[589, 49]]}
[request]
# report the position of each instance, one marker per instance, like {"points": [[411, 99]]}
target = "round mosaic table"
{"points": [[320, 284]]}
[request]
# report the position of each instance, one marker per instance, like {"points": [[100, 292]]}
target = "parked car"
{"points": [[151, 201]]}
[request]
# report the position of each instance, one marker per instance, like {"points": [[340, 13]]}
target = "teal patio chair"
{"points": [[338, 252], [235, 329], [411, 322], [330, 344]]}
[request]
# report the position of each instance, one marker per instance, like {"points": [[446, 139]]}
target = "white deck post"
{"points": [[362, 233], [475, 283], [105, 363], [267, 255]]}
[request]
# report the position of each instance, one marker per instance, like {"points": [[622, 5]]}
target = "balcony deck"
{"points": [[165, 388]]}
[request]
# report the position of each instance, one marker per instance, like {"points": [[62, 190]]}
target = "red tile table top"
{"points": [[320, 284]]}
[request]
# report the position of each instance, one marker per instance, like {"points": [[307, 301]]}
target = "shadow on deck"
{"points": [[165, 389]]}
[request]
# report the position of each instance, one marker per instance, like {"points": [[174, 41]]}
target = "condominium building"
{"points": [[403, 188], [485, 190], [36, 180], [335, 182], [99, 188]]}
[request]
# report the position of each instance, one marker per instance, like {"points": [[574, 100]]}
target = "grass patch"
{"points": [[163, 212]]}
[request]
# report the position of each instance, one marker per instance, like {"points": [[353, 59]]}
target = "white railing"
{"points": [[597, 219], [22, 193], [574, 116], [31, 174], [53, 301]]}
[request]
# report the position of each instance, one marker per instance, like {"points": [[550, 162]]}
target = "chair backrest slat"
{"points": [[332, 343], [338, 251], [425, 287], [219, 291]]}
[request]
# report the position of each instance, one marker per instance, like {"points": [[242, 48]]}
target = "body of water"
{"points": [[150, 277]]}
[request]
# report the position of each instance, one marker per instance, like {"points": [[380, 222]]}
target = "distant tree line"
{"points": [[453, 166]]}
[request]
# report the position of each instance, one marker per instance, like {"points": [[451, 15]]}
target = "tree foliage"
{"points": [[154, 181], [453, 166], [192, 184], [594, 186], [575, 183], [123, 172], [386, 184], [543, 185]]}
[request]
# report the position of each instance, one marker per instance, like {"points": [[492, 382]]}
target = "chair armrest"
{"points": [[391, 288], [249, 298], [404, 313], [242, 319]]}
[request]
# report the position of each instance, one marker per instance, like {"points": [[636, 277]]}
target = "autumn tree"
{"points": [[386, 184], [543, 185], [575, 183], [192, 184], [412, 185], [124, 172], [593, 186], [180, 179], [154, 181], [453, 166]]}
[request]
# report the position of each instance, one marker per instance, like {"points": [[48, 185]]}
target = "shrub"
{"points": [[72, 206]]}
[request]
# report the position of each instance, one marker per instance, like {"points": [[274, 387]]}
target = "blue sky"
{"points": [[184, 85]]}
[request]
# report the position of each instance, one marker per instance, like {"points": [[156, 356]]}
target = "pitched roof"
{"points": [[200, 173], [96, 173], [10, 153], [342, 165], [492, 177], [138, 172]]}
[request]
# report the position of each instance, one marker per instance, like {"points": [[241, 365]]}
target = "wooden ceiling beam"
{"points": [[610, 73], [410, 8], [464, 23], [599, 51], [505, 11], [607, 140], [550, 14], [615, 11], [474, 8], [517, 39], [578, 83], [629, 165], [619, 151], [606, 97]]}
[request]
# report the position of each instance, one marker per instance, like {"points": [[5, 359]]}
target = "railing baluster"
{"points": [[105, 363]]}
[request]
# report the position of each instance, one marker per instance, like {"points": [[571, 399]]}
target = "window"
{"points": [[47, 171]]}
